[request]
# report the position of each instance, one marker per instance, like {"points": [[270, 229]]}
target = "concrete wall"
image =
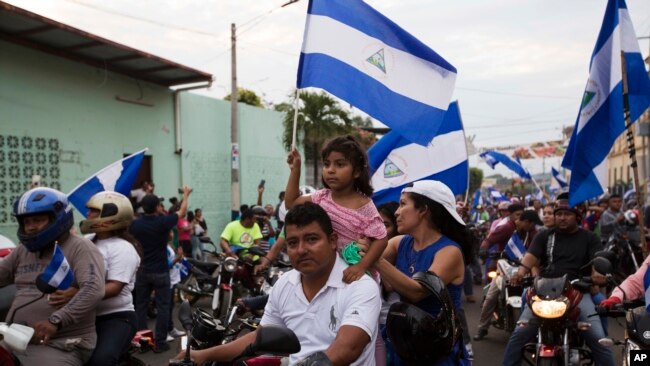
{"points": [[62, 119]]}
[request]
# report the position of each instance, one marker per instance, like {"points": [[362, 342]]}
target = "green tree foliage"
{"points": [[320, 118], [247, 97], [475, 179]]}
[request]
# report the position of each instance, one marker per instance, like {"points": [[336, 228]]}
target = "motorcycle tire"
{"points": [[511, 318], [549, 362], [224, 304]]}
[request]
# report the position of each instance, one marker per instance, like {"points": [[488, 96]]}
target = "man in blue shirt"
{"points": [[152, 231]]}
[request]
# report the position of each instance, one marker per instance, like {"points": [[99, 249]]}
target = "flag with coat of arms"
{"points": [[58, 274]]}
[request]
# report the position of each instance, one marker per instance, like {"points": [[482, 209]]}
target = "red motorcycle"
{"points": [[554, 303]]}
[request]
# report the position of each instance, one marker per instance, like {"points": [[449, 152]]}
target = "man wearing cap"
{"points": [[611, 218], [562, 250], [479, 215], [521, 223], [502, 210], [152, 231]]}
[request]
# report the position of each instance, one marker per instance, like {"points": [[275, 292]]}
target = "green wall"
{"points": [[47, 98]]}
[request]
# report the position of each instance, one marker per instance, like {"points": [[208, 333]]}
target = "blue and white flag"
{"points": [[57, 275], [118, 177], [356, 53], [559, 178], [515, 248], [478, 199], [492, 158], [395, 161], [601, 120], [496, 196], [646, 286]]}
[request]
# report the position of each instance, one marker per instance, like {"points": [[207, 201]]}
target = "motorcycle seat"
{"points": [[207, 267]]}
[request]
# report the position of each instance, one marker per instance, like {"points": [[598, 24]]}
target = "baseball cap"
{"points": [[504, 205], [149, 203], [531, 216], [438, 192]]}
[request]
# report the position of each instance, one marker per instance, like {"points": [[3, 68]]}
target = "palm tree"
{"points": [[320, 117]]}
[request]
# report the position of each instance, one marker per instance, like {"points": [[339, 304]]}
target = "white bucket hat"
{"points": [[438, 192]]}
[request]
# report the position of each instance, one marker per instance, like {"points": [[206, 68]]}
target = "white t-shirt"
{"points": [[336, 304], [121, 261], [174, 270]]}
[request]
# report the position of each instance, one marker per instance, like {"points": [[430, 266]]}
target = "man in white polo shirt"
{"points": [[326, 314]]}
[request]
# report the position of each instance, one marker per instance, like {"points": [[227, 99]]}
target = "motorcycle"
{"points": [[16, 338], [637, 327], [554, 304], [628, 251], [224, 280], [271, 344], [508, 307]]}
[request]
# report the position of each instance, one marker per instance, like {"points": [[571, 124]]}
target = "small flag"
{"points": [[118, 177], [395, 161], [356, 53], [492, 158], [57, 275], [515, 249], [601, 117], [496, 195], [559, 178]]}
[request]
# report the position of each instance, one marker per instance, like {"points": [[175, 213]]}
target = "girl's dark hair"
{"points": [[442, 221], [356, 155], [190, 215], [388, 209]]}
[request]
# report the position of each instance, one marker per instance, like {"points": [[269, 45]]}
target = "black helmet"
{"points": [[258, 210], [419, 337]]}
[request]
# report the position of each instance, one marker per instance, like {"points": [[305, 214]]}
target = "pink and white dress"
{"points": [[350, 224]]}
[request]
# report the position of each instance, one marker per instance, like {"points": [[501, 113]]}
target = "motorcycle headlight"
{"points": [[549, 309], [492, 274], [230, 264]]}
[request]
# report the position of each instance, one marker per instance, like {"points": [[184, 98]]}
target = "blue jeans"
{"points": [[114, 334], [145, 283], [525, 334]]}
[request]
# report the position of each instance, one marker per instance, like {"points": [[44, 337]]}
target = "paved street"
{"points": [[488, 352]]}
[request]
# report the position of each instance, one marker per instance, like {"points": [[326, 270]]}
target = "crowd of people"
{"points": [[371, 285]]}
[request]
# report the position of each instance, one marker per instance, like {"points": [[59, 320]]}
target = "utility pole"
{"points": [[234, 135]]}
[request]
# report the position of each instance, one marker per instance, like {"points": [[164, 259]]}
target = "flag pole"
{"points": [[632, 151], [295, 120]]}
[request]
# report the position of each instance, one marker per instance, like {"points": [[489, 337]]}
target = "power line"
{"points": [[514, 125], [517, 94], [146, 20]]}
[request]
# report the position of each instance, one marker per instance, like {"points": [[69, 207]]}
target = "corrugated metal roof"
{"points": [[28, 29]]}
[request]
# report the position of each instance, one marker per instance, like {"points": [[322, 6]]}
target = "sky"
{"points": [[522, 64]]}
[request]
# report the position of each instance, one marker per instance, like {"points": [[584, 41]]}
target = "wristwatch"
{"points": [[55, 320]]}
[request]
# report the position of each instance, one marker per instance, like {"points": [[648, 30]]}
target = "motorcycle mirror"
{"points": [[257, 251], [185, 315], [274, 340], [609, 255], [209, 248], [602, 265]]}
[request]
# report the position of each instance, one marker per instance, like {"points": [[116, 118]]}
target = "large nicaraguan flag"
{"points": [[492, 158], [359, 55], [57, 275], [395, 161], [559, 178], [601, 120], [118, 177]]}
